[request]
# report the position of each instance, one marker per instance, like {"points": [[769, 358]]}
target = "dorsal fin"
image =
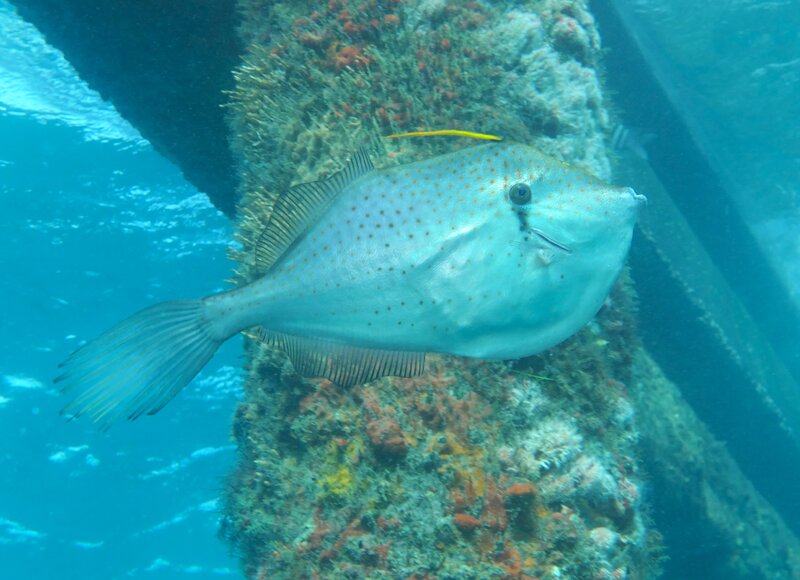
{"points": [[301, 206], [343, 364]]}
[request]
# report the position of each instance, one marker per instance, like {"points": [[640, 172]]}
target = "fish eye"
{"points": [[520, 193]]}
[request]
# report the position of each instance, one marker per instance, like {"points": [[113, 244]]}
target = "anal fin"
{"points": [[343, 364]]}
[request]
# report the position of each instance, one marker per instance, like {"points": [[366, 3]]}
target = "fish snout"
{"points": [[629, 203], [638, 199]]}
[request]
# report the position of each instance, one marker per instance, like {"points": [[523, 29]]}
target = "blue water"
{"points": [[92, 231], [96, 225]]}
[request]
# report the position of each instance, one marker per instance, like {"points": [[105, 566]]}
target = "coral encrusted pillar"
{"points": [[480, 470]]}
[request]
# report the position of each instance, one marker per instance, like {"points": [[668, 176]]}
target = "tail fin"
{"points": [[139, 365]]}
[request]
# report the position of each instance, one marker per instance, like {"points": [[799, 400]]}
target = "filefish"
{"points": [[494, 252]]}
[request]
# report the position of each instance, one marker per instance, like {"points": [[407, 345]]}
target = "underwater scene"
{"points": [[400, 289]]}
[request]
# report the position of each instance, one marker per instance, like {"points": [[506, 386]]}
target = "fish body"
{"points": [[433, 256], [495, 251]]}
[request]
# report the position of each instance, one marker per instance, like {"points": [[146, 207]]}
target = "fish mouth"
{"points": [[547, 239], [637, 197]]}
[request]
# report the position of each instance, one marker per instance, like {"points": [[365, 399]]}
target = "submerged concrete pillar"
{"points": [[475, 469]]}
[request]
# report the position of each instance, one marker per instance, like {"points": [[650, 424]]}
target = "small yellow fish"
{"points": [[450, 132]]}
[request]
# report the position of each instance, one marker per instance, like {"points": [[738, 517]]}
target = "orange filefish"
{"points": [[494, 251]]}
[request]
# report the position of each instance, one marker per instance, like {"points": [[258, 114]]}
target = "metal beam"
{"points": [[714, 314], [164, 64]]}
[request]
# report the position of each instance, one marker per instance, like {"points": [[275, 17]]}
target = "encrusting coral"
{"points": [[475, 469]]}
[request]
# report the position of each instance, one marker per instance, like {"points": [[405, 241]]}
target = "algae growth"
{"points": [[475, 469]]}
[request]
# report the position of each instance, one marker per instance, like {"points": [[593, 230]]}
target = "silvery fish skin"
{"points": [[495, 251], [434, 256]]}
